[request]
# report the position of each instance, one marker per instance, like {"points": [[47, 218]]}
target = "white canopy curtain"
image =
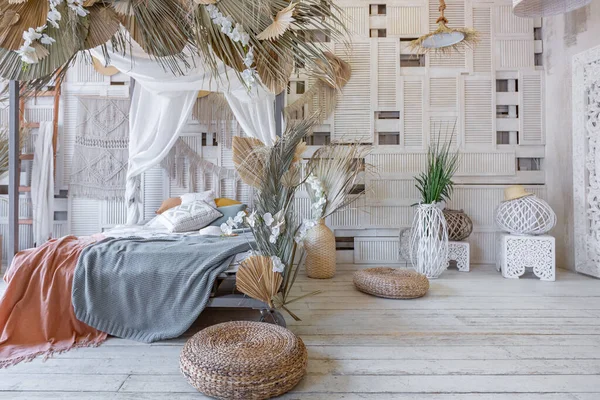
{"points": [[162, 103]]}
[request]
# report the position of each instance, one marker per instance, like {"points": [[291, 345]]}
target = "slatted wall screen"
{"points": [[412, 117], [357, 20], [442, 93], [478, 113], [444, 129], [532, 113], [153, 191], [352, 114], [515, 53], [482, 53], [507, 23], [404, 21], [388, 59]]}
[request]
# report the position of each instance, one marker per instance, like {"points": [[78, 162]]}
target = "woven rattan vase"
{"points": [[429, 241], [319, 244]]}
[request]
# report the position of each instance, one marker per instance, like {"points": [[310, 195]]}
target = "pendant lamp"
{"points": [[546, 8], [444, 39]]}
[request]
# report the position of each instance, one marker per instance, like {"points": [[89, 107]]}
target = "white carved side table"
{"points": [[519, 252], [461, 253]]}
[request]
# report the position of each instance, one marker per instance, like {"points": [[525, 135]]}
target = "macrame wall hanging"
{"points": [[182, 156], [101, 151], [213, 111], [445, 39]]}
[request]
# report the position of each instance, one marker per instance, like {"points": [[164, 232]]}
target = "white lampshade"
{"points": [[440, 40], [546, 8]]}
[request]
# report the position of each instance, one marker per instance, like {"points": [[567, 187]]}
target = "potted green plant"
{"points": [[429, 240]]}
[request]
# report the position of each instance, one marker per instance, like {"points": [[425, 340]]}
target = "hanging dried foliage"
{"points": [[103, 24]]}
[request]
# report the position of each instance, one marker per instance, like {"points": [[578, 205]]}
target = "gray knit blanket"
{"points": [[149, 289]]}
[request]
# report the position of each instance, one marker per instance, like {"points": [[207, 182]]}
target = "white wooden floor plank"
{"points": [[57, 382]]}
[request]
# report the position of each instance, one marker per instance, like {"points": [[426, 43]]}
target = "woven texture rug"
{"points": [[101, 148]]}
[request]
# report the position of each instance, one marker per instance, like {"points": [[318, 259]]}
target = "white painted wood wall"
{"points": [[465, 84]]}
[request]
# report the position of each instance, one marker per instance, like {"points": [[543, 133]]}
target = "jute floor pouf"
{"points": [[244, 360], [391, 283]]}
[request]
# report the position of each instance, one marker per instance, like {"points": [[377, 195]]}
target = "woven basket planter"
{"points": [[244, 360], [459, 224], [528, 215], [319, 244], [391, 283]]}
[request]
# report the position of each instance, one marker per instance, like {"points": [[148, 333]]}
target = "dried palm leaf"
{"points": [[103, 24], [205, 2], [7, 19], [16, 1], [337, 167], [69, 38], [271, 57], [256, 278], [32, 14], [159, 27], [249, 160], [281, 23]]}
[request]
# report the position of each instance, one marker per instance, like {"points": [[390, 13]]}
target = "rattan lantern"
{"points": [[546, 8], [527, 215], [459, 224]]}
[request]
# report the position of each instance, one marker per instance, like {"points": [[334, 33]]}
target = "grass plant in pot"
{"points": [[332, 174], [429, 240]]}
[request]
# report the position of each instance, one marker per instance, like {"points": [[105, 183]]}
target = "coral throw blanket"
{"points": [[36, 314]]}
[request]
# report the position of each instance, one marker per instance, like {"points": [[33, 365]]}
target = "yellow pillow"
{"points": [[224, 202], [168, 204]]}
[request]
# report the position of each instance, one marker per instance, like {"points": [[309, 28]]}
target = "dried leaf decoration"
{"points": [[104, 23], [257, 279], [282, 22], [31, 14], [249, 160], [205, 2]]}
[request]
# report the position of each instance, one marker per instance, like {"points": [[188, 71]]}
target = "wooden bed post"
{"points": [[279, 105], [13, 170]]}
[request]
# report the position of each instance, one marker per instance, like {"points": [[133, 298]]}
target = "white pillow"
{"points": [[188, 217], [208, 197]]}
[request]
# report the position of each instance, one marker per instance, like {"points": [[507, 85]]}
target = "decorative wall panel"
{"points": [[482, 53], [404, 21], [532, 113], [478, 112], [413, 113]]}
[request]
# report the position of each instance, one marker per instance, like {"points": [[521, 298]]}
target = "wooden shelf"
{"points": [[26, 157], [24, 189], [31, 125], [45, 93], [25, 222]]}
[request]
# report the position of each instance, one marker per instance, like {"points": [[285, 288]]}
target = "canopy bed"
{"points": [[168, 74]]}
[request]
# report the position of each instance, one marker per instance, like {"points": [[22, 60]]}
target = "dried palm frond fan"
{"points": [[444, 38], [249, 159], [257, 279], [546, 8], [322, 95]]}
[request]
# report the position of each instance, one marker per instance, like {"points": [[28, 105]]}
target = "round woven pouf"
{"points": [[244, 360], [391, 283]]}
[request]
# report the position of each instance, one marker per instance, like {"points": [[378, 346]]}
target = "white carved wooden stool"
{"points": [[461, 253], [516, 253]]}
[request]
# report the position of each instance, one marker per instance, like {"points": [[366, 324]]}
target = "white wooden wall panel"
{"points": [[455, 13], [376, 250], [350, 216], [388, 60], [478, 113], [392, 189], [515, 53], [444, 129], [442, 92], [153, 191], [113, 213], [532, 111], [84, 216], [356, 19], [352, 115], [405, 21], [412, 94], [507, 23], [482, 53]]}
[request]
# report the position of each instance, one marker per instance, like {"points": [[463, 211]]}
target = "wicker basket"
{"points": [[528, 215], [244, 360], [319, 244], [391, 283], [459, 224]]}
